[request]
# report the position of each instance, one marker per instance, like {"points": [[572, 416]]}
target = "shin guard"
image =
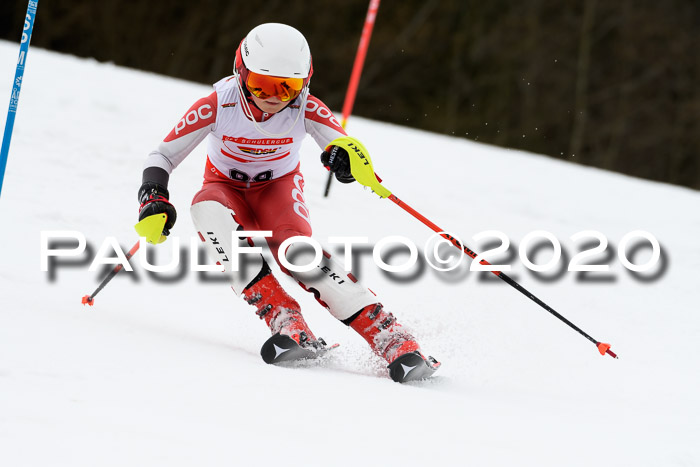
{"points": [[216, 226], [334, 288]]}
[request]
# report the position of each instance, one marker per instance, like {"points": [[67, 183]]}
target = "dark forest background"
{"points": [[613, 84]]}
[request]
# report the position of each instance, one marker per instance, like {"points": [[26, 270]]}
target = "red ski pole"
{"points": [[150, 228], [351, 93], [90, 299], [362, 170], [602, 347]]}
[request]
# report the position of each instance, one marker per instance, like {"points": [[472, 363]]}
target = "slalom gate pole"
{"points": [[90, 299], [360, 55], [17, 85], [363, 171], [359, 60]]}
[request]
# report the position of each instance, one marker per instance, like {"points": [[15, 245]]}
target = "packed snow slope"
{"points": [[169, 373]]}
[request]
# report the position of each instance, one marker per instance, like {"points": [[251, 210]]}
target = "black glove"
{"points": [[338, 161], [154, 200]]}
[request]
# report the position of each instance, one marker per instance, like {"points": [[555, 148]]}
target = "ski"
{"points": [[409, 367], [282, 348], [412, 367]]}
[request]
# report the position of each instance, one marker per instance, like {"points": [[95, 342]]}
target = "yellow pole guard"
{"points": [[152, 228], [360, 164]]}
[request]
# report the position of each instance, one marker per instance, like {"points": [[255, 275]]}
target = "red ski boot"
{"points": [[392, 342], [280, 311]]}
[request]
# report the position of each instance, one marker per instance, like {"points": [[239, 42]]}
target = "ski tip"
{"points": [[87, 300], [282, 348], [604, 348], [412, 366]]}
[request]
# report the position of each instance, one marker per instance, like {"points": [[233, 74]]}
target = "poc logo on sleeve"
{"points": [[193, 116], [323, 112]]}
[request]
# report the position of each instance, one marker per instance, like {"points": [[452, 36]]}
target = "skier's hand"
{"points": [[154, 200], [337, 160]]}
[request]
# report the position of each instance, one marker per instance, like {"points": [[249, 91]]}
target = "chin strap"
{"points": [[249, 113]]}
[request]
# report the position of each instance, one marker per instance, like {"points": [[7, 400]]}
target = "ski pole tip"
{"points": [[605, 349], [88, 300]]}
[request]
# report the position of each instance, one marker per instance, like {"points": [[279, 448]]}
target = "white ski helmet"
{"points": [[274, 49], [278, 51]]}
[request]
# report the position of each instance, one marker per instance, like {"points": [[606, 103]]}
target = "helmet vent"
{"points": [[257, 39]]}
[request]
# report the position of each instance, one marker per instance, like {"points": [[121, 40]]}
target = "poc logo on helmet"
{"points": [[193, 117]]}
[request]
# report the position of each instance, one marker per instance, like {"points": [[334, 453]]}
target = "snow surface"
{"points": [[170, 373]]}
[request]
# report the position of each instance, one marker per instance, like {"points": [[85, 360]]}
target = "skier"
{"points": [[254, 123]]}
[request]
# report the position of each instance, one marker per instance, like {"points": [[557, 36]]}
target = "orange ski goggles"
{"points": [[264, 86]]}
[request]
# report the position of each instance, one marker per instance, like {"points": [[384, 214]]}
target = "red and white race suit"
{"points": [[252, 182]]}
